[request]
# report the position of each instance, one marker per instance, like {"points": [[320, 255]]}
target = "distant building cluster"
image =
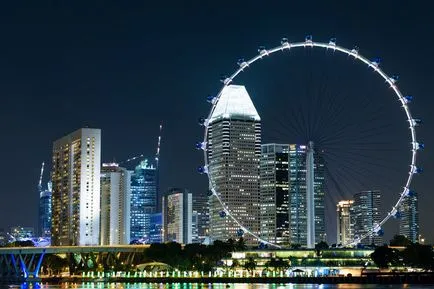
{"points": [[276, 191], [106, 204]]}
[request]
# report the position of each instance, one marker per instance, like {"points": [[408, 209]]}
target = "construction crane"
{"points": [[157, 155], [157, 168], [40, 177], [131, 159]]}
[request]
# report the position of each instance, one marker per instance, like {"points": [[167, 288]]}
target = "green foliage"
{"points": [[250, 264], [277, 264], [53, 264], [235, 264], [414, 255], [321, 246], [384, 257], [400, 240], [27, 243], [420, 256], [241, 244], [191, 256]]}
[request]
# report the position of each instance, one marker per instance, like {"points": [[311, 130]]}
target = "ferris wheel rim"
{"points": [[331, 45]]}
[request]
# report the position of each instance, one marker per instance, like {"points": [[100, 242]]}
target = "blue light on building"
{"points": [[45, 212], [156, 229], [144, 182]]}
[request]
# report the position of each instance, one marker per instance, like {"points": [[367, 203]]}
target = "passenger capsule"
{"points": [[408, 98], [397, 215], [201, 121], [240, 232], [202, 170]]}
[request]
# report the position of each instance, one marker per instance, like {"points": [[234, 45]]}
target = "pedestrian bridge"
{"points": [[26, 262]]}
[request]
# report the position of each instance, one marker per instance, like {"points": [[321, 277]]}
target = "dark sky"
{"points": [[125, 66]]}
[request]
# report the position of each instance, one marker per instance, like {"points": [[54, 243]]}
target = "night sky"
{"points": [[126, 66]]}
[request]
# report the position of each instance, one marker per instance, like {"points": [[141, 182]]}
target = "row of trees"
{"points": [[193, 256], [414, 255]]}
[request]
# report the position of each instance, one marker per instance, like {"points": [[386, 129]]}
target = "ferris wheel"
{"points": [[390, 81]]}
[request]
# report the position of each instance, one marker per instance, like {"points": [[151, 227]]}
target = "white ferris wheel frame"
{"points": [[331, 45]]}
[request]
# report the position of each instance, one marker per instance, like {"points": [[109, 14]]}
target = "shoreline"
{"points": [[408, 278]]}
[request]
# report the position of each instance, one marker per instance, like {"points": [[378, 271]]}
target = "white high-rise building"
{"points": [[177, 216], [234, 153], [409, 221], [76, 188], [300, 209], [365, 215], [115, 205], [344, 226]]}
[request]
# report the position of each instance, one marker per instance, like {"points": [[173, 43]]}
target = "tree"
{"points": [[277, 264], [235, 264], [320, 246], [384, 257], [231, 243], [417, 255], [26, 243], [295, 246], [250, 264], [54, 264], [241, 244], [400, 240]]}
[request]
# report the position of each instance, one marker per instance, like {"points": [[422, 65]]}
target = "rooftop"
{"points": [[235, 102]]}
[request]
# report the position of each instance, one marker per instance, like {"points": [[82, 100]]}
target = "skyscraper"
{"points": [[76, 188], [201, 216], [298, 195], [409, 222], [144, 182], [177, 207], [365, 214], [344, 226], [274, 197], [115, 205], [234, 147], [45, 212]]}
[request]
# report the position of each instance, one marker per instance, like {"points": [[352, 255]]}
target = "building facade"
{"points": [[234, 150], [298, 213], [21, 233], [76, 188], [144, 182], [156, 231], [115, 205], [177, 213], [365, 215], [409, 222], [344, 227], [274, 196], [200, 218], [45, 212]]}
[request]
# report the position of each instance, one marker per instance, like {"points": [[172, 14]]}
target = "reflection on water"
{"points": [[100, 285]]}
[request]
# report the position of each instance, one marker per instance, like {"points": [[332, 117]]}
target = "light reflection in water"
{"points": [[101, 285]]}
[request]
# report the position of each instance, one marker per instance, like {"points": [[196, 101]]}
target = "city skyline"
{"points": [[61, 77], [282, 172]]}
